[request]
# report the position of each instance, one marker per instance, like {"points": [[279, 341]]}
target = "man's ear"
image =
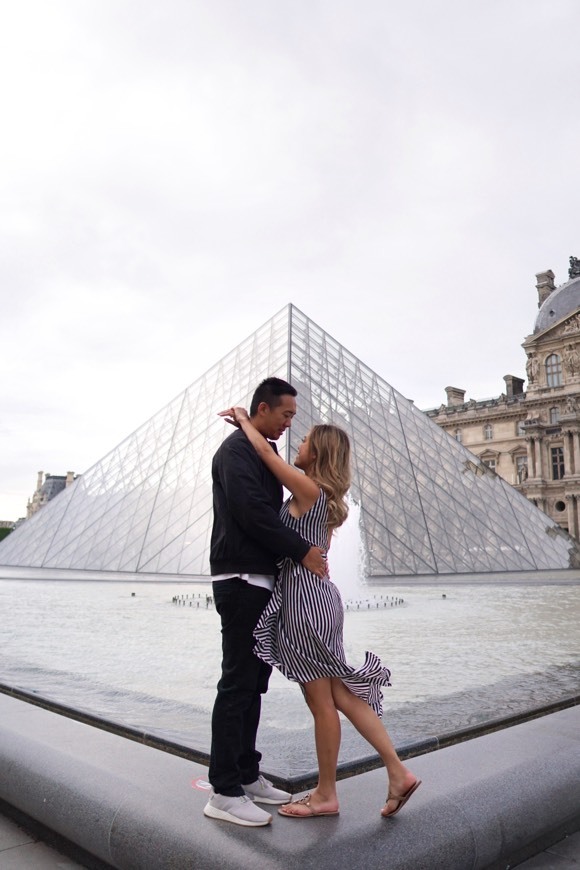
{"points": [[263, 408]]}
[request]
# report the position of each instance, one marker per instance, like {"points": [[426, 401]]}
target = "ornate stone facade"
{"points": [[532, 438]]}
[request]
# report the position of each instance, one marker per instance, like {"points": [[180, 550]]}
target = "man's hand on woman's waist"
{"points": [[315, 562]]}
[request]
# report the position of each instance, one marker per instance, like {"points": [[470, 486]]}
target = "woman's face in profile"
{"points": [[305, 457]]}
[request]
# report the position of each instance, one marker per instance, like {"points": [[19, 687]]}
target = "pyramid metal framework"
{"points": [[427, 505]]}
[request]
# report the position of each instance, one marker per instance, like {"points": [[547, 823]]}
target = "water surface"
{"points": [[459, 656]]}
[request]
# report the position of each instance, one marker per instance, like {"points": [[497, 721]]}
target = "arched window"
{"points": [[554, 416], [554, 370], [488, 432], [458, 435]]}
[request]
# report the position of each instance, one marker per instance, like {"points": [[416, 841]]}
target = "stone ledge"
{"points": [[307, 778], [482, 803]]}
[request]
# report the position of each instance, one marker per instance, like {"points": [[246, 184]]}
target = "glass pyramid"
{"points": [[427, 505]]}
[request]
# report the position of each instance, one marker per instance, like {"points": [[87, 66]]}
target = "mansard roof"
{"points": [[559, 304]]}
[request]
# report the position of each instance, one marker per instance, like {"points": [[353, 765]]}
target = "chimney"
{"points": [[514, 386], [39, 479], [455, 396], [70, 476], [544, 285]]}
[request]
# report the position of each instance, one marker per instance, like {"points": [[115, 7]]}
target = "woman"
{"points": [[300, 631]]}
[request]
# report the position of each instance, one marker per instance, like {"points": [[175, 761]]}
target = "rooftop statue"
{"points": [[574, 270]]}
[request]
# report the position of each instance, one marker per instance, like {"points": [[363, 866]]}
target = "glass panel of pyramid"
{"points": [[427, 505]]}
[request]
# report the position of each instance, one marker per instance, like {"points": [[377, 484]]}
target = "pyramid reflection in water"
{"points": [[427, 505]]}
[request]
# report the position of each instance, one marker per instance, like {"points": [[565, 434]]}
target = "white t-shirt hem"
{"points": [[266, 581]]}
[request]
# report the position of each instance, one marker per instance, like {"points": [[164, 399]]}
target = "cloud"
{"points": [[173, 174]]}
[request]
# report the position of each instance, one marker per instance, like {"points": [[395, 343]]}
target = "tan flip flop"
{"points": [[401, 798], [305, 802]]}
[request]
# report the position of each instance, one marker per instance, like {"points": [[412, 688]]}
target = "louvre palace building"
{"points": [[531, 437]]}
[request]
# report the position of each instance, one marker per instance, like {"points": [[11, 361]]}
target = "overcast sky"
{"points": [[174, 172]]}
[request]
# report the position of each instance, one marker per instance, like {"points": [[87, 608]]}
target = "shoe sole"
{"points": [[271, 801], [215, 813], [402, 799], [311, 815]]}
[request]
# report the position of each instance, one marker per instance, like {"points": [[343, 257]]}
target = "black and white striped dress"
{"points": [[301, 630]]}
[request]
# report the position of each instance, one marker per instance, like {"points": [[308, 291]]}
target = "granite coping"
{"points": [[484, 803], [306, 778]]}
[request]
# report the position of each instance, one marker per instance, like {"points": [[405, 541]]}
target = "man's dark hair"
{"points": [[270, 391]]}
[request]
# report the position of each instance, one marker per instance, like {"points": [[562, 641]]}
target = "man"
{"points": [[247, 538]]}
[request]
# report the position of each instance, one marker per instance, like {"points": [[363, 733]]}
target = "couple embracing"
{"points": [[289, 617]]}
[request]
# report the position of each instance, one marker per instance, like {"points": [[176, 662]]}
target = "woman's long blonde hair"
{"points": [[331, 469]]}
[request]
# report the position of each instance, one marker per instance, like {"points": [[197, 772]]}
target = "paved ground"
{"points": [[564, 855], [20, 850]]}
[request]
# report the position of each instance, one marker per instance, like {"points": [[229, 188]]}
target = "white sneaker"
{"points": [[239, 810], [263, 792]]}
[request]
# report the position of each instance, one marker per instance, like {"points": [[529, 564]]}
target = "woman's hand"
{"points": [[230, 417], [240, 414], [235, 415]]}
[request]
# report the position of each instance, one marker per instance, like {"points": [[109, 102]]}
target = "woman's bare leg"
{"points": [[319, 698], [368, 724]]}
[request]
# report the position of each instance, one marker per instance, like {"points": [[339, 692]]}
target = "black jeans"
{"points": [[234, 759]]}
